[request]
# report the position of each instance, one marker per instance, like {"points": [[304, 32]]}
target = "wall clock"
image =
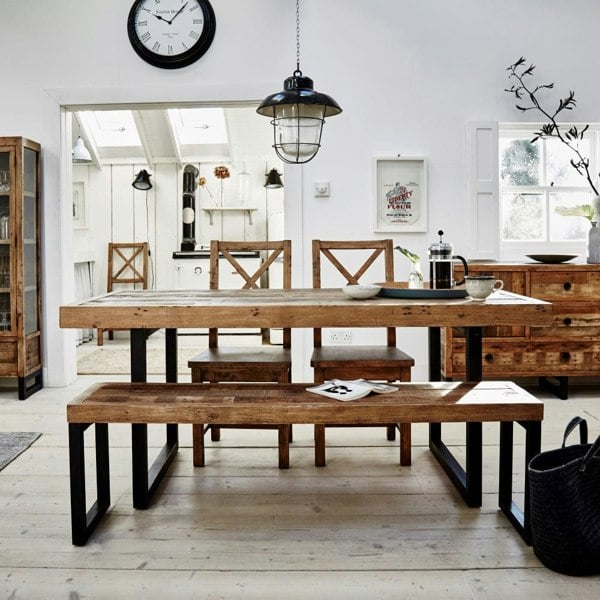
{"points": [[171, 33]]}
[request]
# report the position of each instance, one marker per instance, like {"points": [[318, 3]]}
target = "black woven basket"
{"points": [[564, 486]]}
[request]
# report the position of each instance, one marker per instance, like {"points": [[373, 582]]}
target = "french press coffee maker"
{"points": [[441, 260]]}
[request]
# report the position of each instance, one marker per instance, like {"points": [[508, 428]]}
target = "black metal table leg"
{"points": [[468, 481], [171, 376], [146, 479], [83, 522], [533, 440]]}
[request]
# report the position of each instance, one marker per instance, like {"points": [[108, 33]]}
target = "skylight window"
{"points": [[199, 125], [111, 127]]}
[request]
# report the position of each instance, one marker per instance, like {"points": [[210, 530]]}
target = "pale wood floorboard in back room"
{"points": [[363, 527]]}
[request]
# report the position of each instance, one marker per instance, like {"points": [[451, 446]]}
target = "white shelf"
{"points": [[213, 209]]}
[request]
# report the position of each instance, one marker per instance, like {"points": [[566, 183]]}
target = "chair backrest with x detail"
{"points": [[222, 256], [127, 263], [375, 257]]}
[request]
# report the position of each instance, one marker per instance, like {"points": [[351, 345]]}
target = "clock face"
{"points": [[171, 33]]}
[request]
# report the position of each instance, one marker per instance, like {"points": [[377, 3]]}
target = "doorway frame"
{"points": [[58, 345]]}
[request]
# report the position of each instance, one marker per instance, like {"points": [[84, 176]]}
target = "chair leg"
{"points": [[391, 432], [319, 445], [215, 433], [284, 446], [405, 444], [198, 444]]}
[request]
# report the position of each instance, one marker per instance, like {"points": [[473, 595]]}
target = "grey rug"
{"points": [[14, 443]]}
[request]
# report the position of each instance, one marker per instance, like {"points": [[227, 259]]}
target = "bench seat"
{"points": [[140, 404]]}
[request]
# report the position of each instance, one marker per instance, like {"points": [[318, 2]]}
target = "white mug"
{"points": [[479, 287]]}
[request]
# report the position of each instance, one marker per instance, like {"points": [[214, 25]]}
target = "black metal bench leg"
{"points": [[83, 522], [533, 440]]}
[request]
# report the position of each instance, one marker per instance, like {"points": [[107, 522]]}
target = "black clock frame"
{"points": [[180, 60]]}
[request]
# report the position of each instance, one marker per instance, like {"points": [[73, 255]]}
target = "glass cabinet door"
{"points": [[5, 246], [30, 242]]}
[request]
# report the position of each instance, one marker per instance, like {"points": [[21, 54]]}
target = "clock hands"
{"points": [[177, 13], [174, 16]]}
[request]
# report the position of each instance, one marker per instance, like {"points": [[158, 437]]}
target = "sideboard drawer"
{"points": [[505, 359], [571, 321], [564, 286]]}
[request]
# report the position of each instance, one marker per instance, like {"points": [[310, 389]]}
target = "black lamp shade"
{"points": [[142, 181], [298, 114], [273, 180]]}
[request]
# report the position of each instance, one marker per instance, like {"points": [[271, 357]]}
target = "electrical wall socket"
{"points": [[340, 336]]}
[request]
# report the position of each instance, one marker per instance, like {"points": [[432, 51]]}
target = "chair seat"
{"points": [[251, 355], [369, 356]]}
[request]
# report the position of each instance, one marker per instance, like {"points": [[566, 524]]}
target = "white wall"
{"points": [[409, 76]]}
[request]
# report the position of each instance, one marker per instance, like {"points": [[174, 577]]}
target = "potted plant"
{"points": [[528, 98]]}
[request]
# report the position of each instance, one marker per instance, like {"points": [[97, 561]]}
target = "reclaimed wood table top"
{"points": [[140, 309]]}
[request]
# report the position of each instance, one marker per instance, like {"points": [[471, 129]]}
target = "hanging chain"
{"points": [[298, 36]]}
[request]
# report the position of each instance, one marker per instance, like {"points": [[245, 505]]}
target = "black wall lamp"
{"points": [[273, 180], [142, 181], [298, 113]]}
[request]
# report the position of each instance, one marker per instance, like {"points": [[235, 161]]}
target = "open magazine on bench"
{"points": [[341, 389]]}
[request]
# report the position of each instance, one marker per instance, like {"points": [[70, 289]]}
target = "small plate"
{"points": [[361, 292], [552, 258]]}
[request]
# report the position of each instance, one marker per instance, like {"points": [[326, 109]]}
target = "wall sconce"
{"points": [[142, 181], [273, 180], [298, 113], [80, 154]]}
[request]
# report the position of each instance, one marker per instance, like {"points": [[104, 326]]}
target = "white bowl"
{"points": [[360, 292]]}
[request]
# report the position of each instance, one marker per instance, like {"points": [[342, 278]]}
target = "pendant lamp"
{"points": [[142, 181], [273, 180], [298, 113], [80, 153]]}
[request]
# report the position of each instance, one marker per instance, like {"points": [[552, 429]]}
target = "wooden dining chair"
{"points": [[267, 362], [373, 259], [127, 264]]}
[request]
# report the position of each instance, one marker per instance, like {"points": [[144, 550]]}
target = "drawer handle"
{"points": [[565, 356], [197, 270], [489, 357], [567, 286], [567, 321]]}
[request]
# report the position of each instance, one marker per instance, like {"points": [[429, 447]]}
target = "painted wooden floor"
{"points": [[363, 527]]}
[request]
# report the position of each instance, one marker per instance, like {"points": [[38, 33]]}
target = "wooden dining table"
{"points": [[145, 311]]}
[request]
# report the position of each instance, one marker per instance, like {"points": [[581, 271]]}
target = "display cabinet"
{"points": [[20, 302], [570, 348]]}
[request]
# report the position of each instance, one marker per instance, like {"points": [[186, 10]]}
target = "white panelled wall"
{"points": [[408, 75], [117, 212]]}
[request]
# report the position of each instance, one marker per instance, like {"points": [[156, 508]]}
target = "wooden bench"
{"points": [[140, 404]]}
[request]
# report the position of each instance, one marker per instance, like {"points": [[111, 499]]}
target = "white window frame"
{"points": [[517, 250]]}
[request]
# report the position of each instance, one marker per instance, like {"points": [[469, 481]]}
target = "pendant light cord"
{"points": [[298, 71]]}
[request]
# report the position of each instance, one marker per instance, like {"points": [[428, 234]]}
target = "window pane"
{"points": [[568, 228], [523, 217], [519, 162], [558, 163]]}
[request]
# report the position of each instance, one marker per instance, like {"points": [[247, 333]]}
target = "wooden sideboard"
{"points": [[569, 348]]}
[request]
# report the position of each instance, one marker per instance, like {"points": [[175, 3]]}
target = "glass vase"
{"points": [[415, 277], [594, 244]]}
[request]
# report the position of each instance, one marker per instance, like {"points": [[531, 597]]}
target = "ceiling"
{"points": [[175, 135]]}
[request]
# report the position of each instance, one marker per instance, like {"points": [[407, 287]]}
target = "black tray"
{"points": [[421, 293]]}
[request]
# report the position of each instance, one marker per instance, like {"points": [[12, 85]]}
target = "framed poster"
{"points": [[400, 192], [79, 206]]}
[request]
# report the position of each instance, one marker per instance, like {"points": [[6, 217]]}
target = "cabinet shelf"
{"points": [[222, 209]]}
